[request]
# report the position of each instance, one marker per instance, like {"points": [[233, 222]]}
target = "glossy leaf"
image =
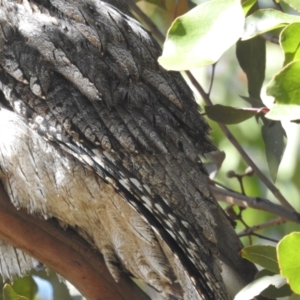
{"points": [[295, 4], [257, 286], [274, 138], [290, 42], [25, 286], [10, 294], [272, 291], [264, 256], [247, 5], [229, 115], [264, 20], [289, 259], [251, 55], [285, 87], [202, 35]]}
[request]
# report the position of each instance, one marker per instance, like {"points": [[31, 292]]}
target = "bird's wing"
{"points": [[86, 77]]}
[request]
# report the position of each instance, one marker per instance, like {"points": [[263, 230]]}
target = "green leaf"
{"points": [[272, 291], [25, 286], [274, 138], [229, 115], [290, 42], [202, 35], [10, 294], [247, 5], [295, 4], [257, 286], [284, 112], [289, 260], [264, 20], [251, 55], [264, 256], [285, 86]]}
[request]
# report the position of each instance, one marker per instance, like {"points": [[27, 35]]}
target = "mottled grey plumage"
{"points": [[119, 157]]}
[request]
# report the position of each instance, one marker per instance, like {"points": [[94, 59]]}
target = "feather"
{"points": [[109, 142]]}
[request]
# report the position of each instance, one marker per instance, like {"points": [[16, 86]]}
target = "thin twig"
{"points": [[263, 237], [240, 180], [212, 78], [254, 202], [270, 223]]}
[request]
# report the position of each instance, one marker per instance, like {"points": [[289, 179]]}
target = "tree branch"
{"points": [[65, 252], [251, 230], [254, 202]]}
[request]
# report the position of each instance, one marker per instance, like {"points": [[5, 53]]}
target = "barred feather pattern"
{"points": [[122, 139]]}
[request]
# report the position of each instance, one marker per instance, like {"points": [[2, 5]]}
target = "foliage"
{"points": [[10, 294], [282, 268], [289, 260], [186, 45], [199, 38], [21, 289], [26, 288]]}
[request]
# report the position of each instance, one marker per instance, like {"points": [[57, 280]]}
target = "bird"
{"points": [[95, 133]]}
